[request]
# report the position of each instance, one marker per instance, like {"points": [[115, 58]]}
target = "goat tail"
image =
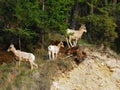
{"points": [[31, 57]]}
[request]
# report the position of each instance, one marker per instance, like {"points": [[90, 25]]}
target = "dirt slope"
{"points": [[99, 71]]}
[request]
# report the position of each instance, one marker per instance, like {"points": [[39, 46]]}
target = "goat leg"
{"points": [[35, 64], [67, 42], [19, 61], [53, 57], [31, 65], [70, 42], [49, 55]]}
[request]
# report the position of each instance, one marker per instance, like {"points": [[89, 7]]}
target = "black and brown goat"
{"points": [[77, 53]]}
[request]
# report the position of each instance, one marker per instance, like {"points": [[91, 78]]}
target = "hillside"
{"points": [[99, 71]]}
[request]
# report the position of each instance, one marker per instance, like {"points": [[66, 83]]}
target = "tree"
{"points": [[58, 12], [19, 19], [30, 20], [102, 30]]}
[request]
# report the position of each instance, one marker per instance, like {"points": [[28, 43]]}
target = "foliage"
{"points": [[30, 21], [58, 12], [102, 29], [35, 22], [22, 77]]}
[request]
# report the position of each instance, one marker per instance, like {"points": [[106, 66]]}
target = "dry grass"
{"points": [[15, 77]]}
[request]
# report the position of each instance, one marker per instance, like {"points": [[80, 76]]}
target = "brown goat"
{"points": [[77, 53], [55, 42]]}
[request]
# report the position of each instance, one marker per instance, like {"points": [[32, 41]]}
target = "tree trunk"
{"points": [[91, 7], [114, 8], [114, 4], [106, 2], [74, 13], [19, 43], [43, 30]]}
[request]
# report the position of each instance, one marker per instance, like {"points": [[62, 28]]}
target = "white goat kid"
{"points": [[23, 56], [53, 50], [75, 35]]}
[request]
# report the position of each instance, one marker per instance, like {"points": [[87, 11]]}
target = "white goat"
{"points": [[23, 56], [53, 50], [75, 35]]}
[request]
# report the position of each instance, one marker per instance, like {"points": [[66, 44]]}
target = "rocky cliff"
{"points": [[99, 71]]}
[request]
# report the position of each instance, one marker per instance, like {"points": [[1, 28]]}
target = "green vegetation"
{"points": [[102, 30], [32, 24], [27, 23], [22, 77]]}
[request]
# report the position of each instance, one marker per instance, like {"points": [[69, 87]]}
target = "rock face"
{"points": [[98, 71]]}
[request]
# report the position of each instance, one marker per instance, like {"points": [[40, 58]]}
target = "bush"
{"points": [[101, 29]]}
